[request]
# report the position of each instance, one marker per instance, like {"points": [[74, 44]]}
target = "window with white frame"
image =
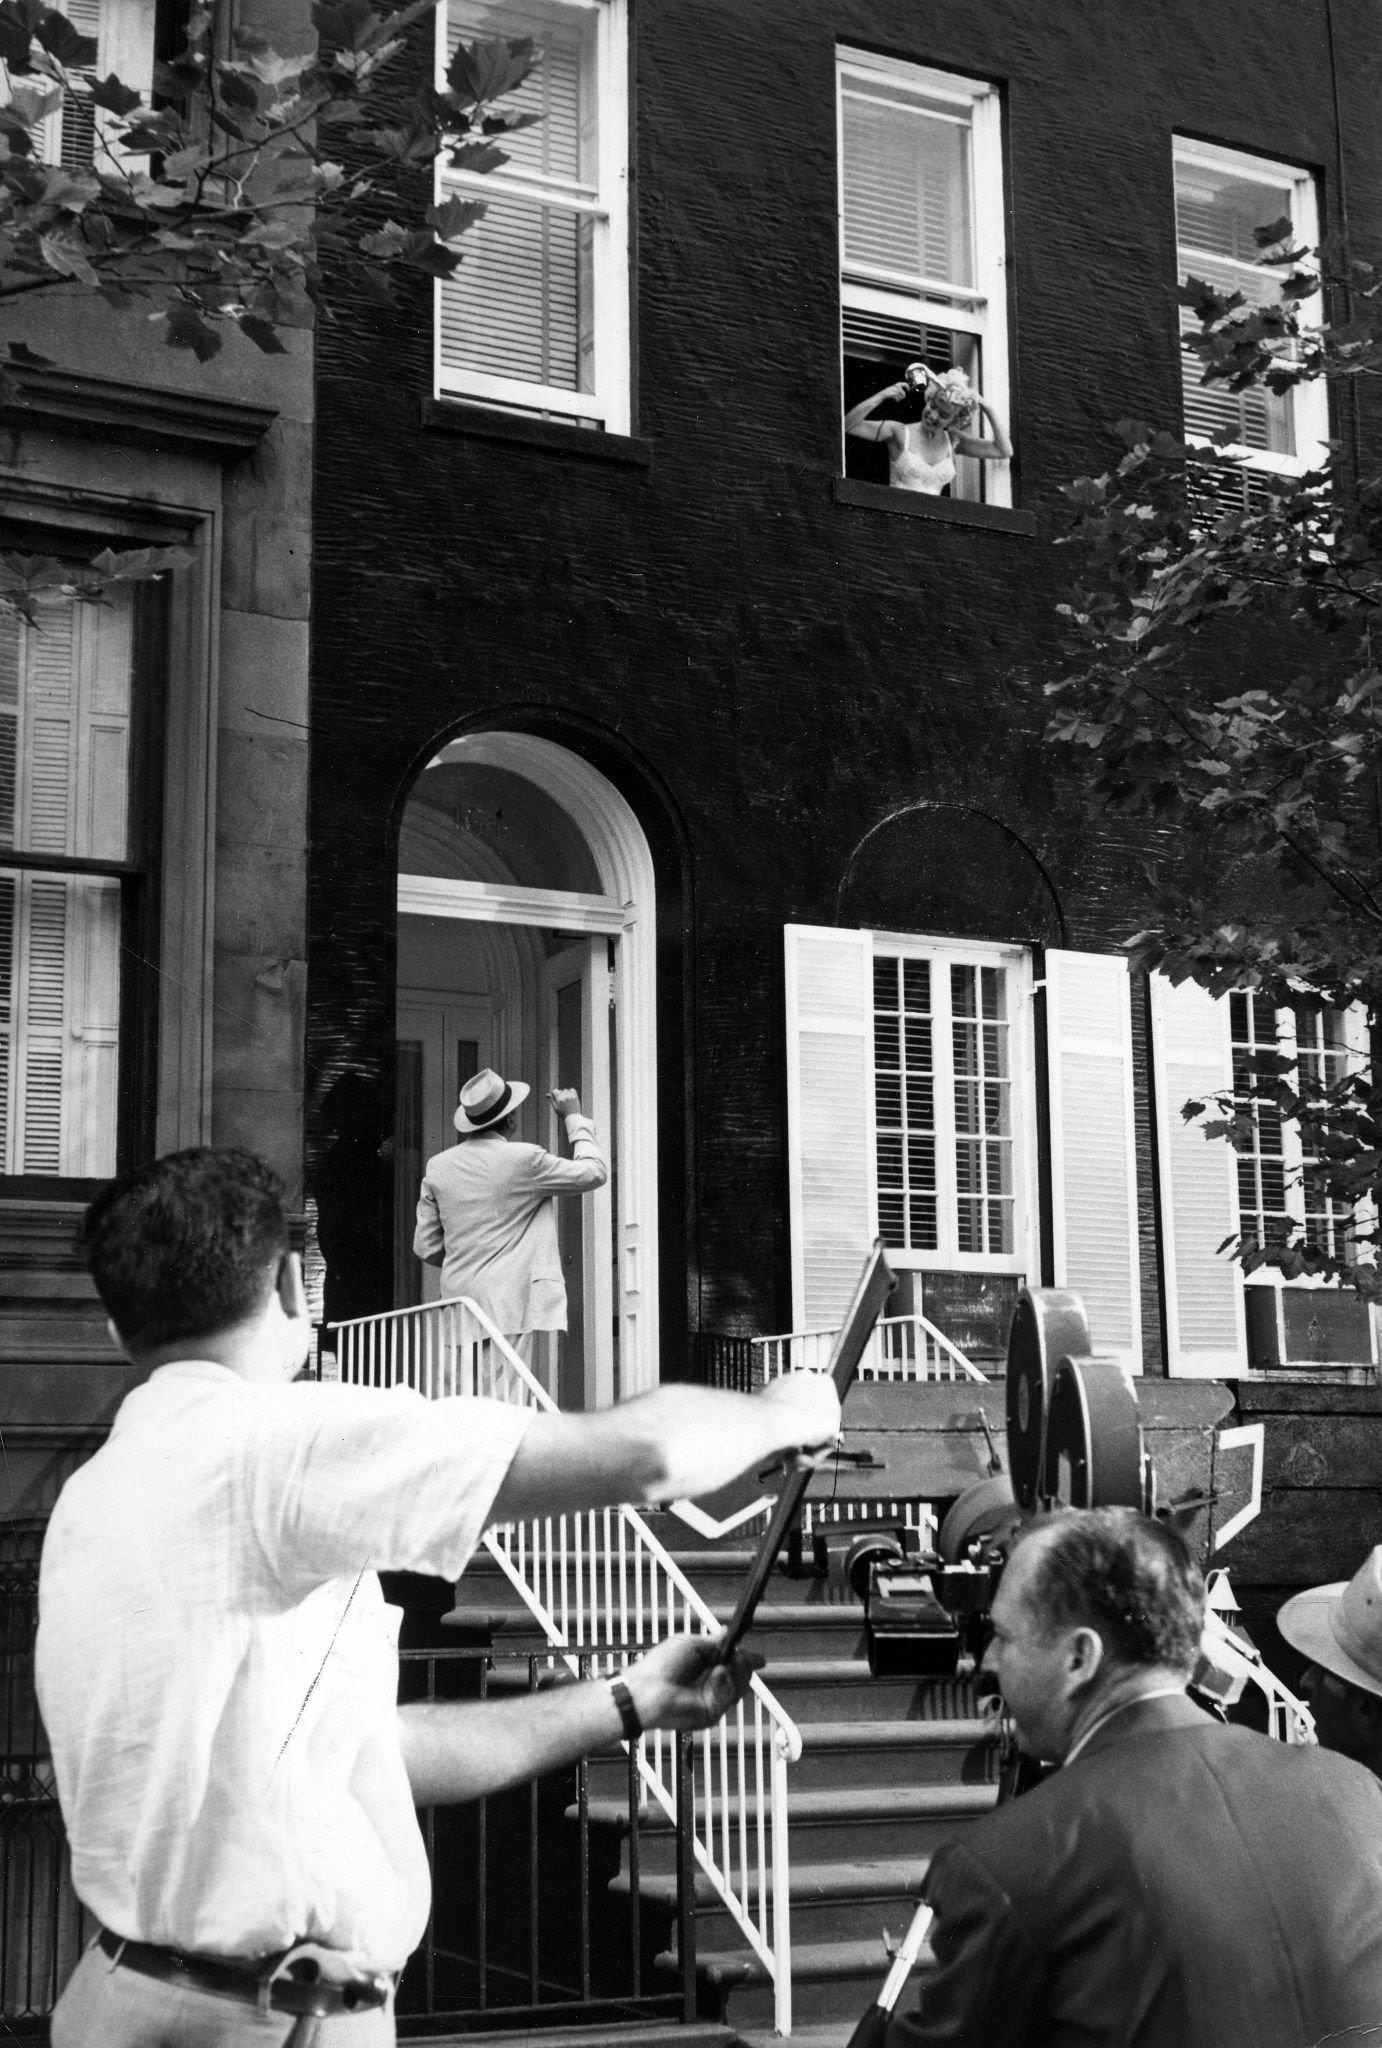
{"points": [[1222, 196], [72, 881], [921, 243], [537, 316], [943, 1105], [913, 1068], [1275, 1205]]}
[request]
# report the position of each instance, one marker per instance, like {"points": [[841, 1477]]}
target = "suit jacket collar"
{"points": [[1164, 1715]]}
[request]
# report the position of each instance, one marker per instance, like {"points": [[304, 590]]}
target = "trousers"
{"points": [[105, 2006]]}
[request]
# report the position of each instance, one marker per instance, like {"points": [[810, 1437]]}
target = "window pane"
{"points": [[904, 1104], [562, 143], [906, 186], [518, 305], [59, 1023], [521, 306]]}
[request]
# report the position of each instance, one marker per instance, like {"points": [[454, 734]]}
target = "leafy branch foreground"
{"points": [[1221, 681], [222, 200]]}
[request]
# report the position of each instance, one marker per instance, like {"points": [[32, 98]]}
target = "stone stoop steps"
{"points": [[889, 1768]]}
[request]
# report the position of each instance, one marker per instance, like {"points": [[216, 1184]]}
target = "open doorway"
{"points": [[524, 945]]}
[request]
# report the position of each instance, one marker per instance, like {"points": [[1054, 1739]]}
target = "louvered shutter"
{"points": [[65, 693], [829, 1118], [1199, 1203], [1093, 1147]]}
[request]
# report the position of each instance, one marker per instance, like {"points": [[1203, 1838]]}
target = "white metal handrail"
{"points": [[901, 1348], [600, 1582]]}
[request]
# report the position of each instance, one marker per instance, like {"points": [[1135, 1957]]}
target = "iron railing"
{"points": [[557, 1902], [901, 1348], [599, 1583], [43, 1928]]}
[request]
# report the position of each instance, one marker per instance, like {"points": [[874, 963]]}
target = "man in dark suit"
{"points": [[1177, 1883]]}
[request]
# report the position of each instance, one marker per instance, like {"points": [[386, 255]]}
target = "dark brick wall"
{"points": [[766, 672]]}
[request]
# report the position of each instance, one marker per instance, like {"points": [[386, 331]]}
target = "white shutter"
{"points": [[829, 1118], [1192, 1062], [1093, 1148]]}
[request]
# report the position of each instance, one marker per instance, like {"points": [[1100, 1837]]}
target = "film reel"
{"points": [[1049, 1324], [1094, 1454]]}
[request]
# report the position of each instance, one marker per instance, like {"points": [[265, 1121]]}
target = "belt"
{"points": [[291, 1980]]}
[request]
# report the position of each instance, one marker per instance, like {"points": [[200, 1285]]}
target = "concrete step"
{"points": [[831, 1981], [866, 1823], [861, 1753], [845, 1901]]}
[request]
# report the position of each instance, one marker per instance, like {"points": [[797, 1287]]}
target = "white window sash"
{"points": [[1309, 401], [1015, 962], [605, 205]]}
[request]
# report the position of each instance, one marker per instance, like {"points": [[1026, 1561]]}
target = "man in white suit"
{"points": [[487, 1211]]}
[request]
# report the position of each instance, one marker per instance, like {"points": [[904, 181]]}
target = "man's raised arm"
{"points": [[674, 1442]]}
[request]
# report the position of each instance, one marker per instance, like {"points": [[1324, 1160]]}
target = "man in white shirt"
{"points": [[216, 1666], [487, 1211]]}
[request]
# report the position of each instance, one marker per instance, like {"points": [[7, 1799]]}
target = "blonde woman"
{"points": [[922, 451]]}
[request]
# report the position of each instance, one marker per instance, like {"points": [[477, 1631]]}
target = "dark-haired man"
{"points": [[1177, 1883], [216, 1665]]}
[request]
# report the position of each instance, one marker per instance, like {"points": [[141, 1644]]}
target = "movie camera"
{"points": [[1074, 1439]]}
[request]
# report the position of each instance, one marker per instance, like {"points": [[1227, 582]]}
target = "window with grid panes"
{"points": [[536, 317], [943, 1106], [1274, 1207], [922, 242], [1222, 196], [72, 880]]}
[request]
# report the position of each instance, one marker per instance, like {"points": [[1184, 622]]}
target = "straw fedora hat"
{"points": [[486, 1099], [1339, 1627]]}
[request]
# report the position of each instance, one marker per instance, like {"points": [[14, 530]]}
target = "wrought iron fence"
{"points": [[43, 1929], [565, 1901]]}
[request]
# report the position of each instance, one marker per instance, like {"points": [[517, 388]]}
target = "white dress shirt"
{"points": [[217, 1669], [486, 1205]]}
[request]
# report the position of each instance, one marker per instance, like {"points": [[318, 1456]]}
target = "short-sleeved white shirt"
{"points": [[217, 1669]]}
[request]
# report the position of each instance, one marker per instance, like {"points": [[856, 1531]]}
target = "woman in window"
{"points": [[922, 448]]}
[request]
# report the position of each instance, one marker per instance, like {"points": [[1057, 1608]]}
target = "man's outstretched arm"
{"points": [[673, 1443], [464, 1749]]}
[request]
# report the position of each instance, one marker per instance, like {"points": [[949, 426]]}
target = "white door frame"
{"points": [[625, 909]]}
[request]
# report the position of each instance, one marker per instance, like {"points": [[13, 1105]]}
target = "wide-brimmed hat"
{"points": [[486, 1098], [1339, 1627]]}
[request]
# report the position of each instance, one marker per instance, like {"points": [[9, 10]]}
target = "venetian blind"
{"points": [[521, 305], [906, 186]]}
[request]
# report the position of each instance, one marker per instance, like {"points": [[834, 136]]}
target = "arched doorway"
{"points": [[526, 943]]}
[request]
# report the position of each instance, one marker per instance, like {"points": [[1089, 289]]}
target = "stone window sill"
{"points": [[484, 423], [916, 505]]}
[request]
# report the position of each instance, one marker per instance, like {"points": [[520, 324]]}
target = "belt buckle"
{"points": [[300, 1981]]}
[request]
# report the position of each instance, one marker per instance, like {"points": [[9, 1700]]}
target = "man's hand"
{"points": [[682, 1684], [812, 1422], [565, 1101]]}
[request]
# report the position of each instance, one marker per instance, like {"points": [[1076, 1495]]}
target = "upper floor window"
{"points": [[73, 875], [1222, 197], [537, 316], [922, 269]]}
